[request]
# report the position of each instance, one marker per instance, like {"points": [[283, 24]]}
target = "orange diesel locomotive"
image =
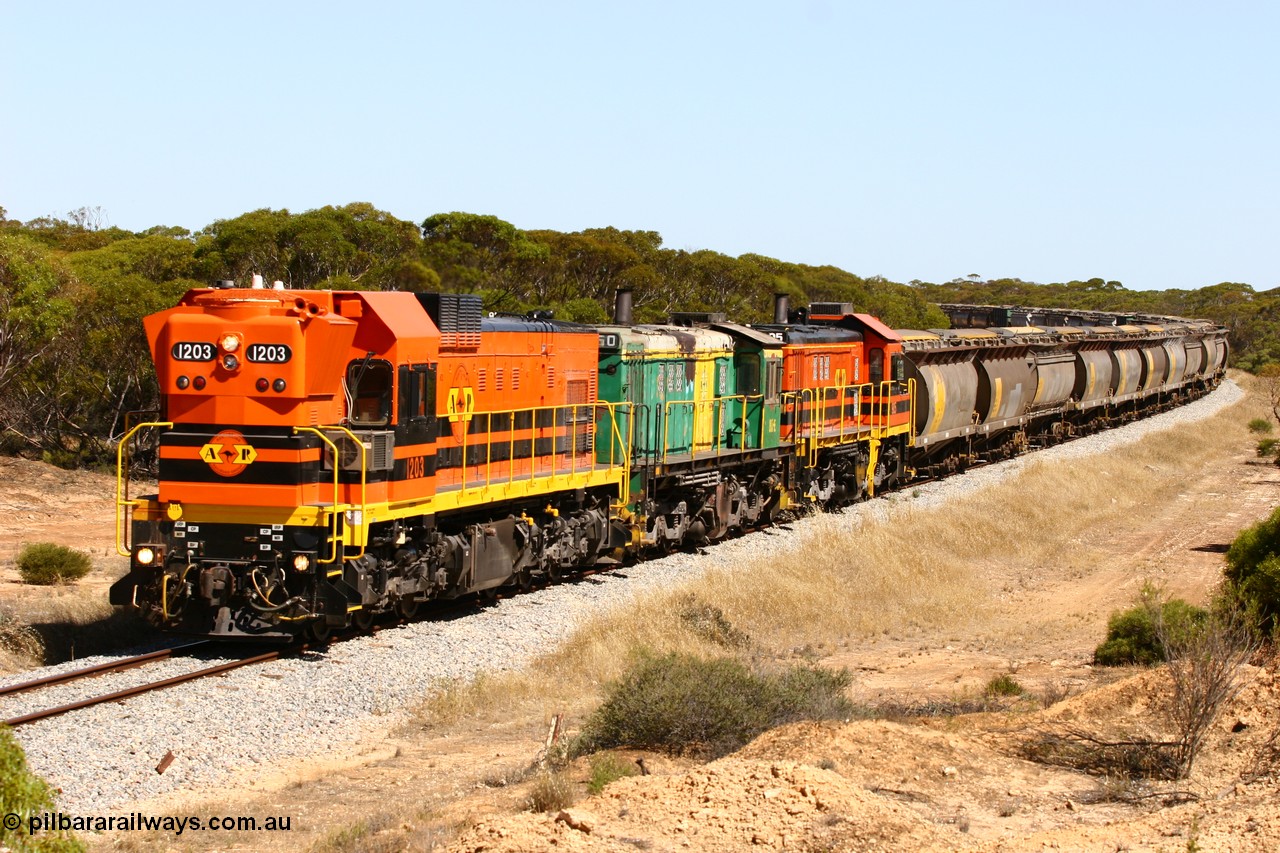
{"points": [[268, 514]]}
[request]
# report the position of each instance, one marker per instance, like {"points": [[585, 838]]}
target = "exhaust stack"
{"points": [[622, 314], [781, 305]]}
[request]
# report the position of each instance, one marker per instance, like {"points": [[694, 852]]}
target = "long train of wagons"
{"points": [[326, 457]]}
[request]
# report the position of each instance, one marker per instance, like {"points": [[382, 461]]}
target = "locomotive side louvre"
{"points": [[673, 378], [520, 402]]}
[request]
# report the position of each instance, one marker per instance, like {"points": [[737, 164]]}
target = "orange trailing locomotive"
{"points": [[326, 457]]}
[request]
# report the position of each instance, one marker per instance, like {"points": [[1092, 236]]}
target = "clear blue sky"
{"points": [[1048, 141]]}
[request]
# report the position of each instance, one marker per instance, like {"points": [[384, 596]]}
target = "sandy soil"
{"points": [[42, 503], [958, 783]]}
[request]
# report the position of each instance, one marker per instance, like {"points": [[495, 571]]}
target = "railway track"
{"points": [[135, 661], [100, 669], [137, 690]]}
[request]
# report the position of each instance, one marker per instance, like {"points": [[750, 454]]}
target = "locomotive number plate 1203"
{"points": [[269, 353]]}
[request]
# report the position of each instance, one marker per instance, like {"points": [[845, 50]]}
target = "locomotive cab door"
{"points": [[743, 429]]}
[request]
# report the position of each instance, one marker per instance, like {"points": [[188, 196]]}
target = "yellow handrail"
{"points": [[573, 427], [339, 509], [624, 443], [718, 407], [809, 419], [122, 483]]}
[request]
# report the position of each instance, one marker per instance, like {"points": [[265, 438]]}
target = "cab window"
{"points": [[875, 365], [748, 374], [417, 392], [773, 379], [368, 389]]}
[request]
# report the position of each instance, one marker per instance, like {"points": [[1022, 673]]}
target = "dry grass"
{"points": [[69, 623], [890, 567]]}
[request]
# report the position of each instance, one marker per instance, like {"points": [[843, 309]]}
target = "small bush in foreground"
{"points": [[20, 639], [44, 563], [1267, 447], [1003, 685], [24, 794], [687, 705], [552, 790], [1253, 569], [1204, 667], [1204, 659], [710, 623], [608, 767], [1131, 634], [1260, 426]]}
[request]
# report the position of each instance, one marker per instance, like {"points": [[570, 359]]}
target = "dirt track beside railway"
{"points": [[948, 784]]}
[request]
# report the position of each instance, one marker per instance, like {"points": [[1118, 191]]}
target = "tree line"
{"points": [[74, 362]]}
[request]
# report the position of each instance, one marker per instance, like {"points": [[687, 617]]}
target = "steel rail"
{"points": [[142, 688], [97, 669]]}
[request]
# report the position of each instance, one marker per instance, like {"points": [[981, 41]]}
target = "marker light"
{"points": [[262, 385], [229, 343], [145, 556], [183, 382], [198, 382], [278, 385]]}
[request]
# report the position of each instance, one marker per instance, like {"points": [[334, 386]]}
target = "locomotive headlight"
{"points": [[144, 556], [301, 563], [230, 362], [229, 343]]}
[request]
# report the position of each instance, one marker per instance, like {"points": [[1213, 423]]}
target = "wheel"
{"points": [[524, 580], [319, 631], [362, 619], [407, 607]]}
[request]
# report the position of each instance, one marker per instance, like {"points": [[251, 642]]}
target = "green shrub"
{"points": [[1003, 685], [608, 767], [687, 705], [1260, 426], [25, 794], [44, 563], [1267, 447], [1253, 569], [1131, 634]]}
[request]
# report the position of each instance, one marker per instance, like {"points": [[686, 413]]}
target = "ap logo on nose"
{"points": [[228, 453]]}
